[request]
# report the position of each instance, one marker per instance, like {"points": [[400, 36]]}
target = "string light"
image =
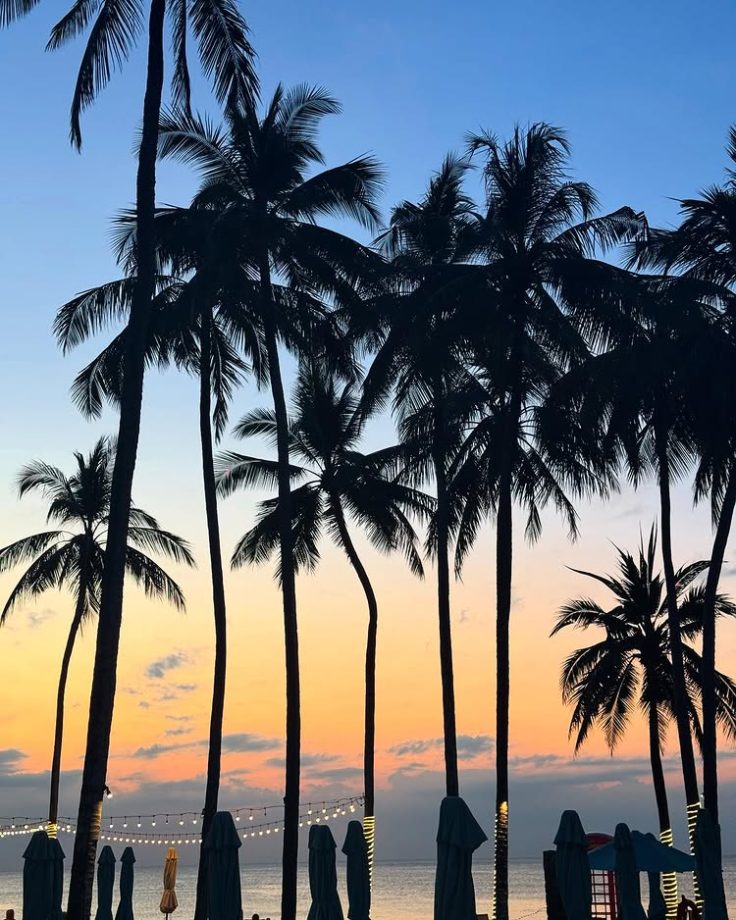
{"points": [[12, 826]]}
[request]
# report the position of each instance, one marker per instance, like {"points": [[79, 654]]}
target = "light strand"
{"points": [[313, 813]]}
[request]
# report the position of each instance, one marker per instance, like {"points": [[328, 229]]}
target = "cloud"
{"points": [[307, 760], [231, 744], [37, 617], [158, 668], [176, 718], [240, 743], [468, 746], [10, 759], [156, 750], [472, 745], [337, 774], [173, 732]]}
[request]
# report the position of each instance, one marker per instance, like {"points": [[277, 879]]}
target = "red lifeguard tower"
{"points": [[603, 884]]}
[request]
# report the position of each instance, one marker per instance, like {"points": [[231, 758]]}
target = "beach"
{"points": [[402, 891]]}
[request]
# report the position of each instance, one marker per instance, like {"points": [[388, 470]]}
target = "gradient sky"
{"points": [[646, 92]]}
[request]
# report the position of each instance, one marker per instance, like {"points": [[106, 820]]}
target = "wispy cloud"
{"points": [[10, 759], [38, 617], [158, 668], [307, 760], [468, 746], [231, 744]]}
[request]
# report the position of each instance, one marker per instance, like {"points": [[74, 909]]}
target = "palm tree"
{"points": [[419, 361], [196, 319], [633, 400], [537, 245], [256, 176], [226, 55], [702, 249], [340, 483], [71, 557], [632, 666]]}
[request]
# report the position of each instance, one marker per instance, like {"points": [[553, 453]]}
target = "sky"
{"points": [[645, 91]]}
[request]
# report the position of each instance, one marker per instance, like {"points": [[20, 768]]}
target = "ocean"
{"points": [[401, 891]]}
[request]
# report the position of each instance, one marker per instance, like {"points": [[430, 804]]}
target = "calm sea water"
{"points": [[401, 891]]}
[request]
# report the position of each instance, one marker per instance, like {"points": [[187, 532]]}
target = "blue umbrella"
{"points": [[650, 855], [105, 884], [125, 907], [458, 837], [627, 876], [572, 869], [38, 878], [224, 898], [358, 874], [323, 875], [708, 864], [58, 879]]}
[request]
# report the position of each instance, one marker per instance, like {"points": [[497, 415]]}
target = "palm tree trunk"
{"points": [[102, 698], [504, 545], [290, 849], [443, 593], [61, 693], [369, 741], [669, 879], [679, 687], [710, 739], [214, 756]]}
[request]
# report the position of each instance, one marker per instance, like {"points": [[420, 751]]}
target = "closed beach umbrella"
{"points": [[358, 875], [572, 868], [708, 866], [323, 875], [38, 878], [224, 900], [168, 899], [657, 909], [105, 884], [125, 907], [57, 887], [458, 837], [627, 876]]}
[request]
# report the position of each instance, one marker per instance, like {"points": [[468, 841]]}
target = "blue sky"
{"points": [[646, 91]]}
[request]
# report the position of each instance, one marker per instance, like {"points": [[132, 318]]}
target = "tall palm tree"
{"points": [[226, 56], [702, 248], [632, 666], [196, 320], [633, 400], [419, 364], [71, 557], [259, 176], [538, 241], [340, 483]]}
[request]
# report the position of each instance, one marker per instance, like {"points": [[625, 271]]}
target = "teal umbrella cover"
{"points": [[459, 835], [651, 855], [38, 878], [572, 868], [105, 884], [323, 875], [627, 876], [708, 863], [224, 897], [125, 907], [58, 879], [358, 875]]}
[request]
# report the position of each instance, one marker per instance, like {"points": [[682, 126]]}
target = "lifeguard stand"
{"points": [[603, 884]]}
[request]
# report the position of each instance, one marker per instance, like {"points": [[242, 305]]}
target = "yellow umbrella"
{"points": [[168, 899]]}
